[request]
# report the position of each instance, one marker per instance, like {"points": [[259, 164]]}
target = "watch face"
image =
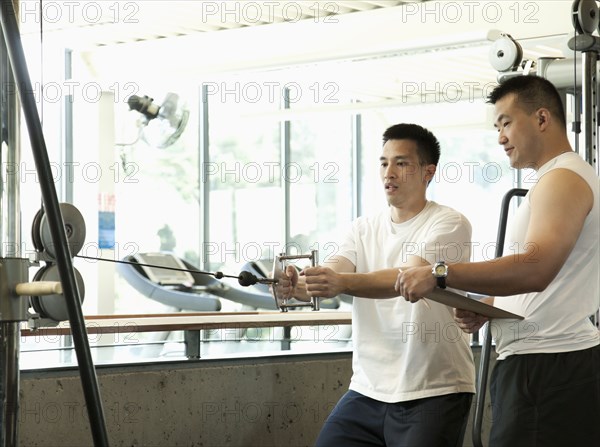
{"points": [[440, 270]]}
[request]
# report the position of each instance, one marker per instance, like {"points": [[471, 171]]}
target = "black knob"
{"points": [[247, 279]]}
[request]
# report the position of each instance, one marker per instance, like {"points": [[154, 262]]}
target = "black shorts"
{"points": [[546, 400], [359, 421]]}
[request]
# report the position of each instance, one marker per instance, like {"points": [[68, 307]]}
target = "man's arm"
{"points": [[559, 205], [338, 276]]}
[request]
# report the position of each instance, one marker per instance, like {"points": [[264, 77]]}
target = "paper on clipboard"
{"points": [[457, 301]]}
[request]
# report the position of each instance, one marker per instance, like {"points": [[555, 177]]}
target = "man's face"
{"points": [[402, 174], [517, 132]]}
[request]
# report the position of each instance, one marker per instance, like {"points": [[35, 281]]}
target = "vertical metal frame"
{"points": [[203, 182], [286, 158], [18, 65]]}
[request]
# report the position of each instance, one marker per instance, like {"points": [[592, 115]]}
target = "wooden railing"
{"points": [[110, 324]]}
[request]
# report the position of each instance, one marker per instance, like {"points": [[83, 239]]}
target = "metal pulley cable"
{"points": [[245, 278]]}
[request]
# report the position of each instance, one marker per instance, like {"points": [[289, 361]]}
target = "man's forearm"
{"points": [[339, 277], [509, 275], [379, 284]]}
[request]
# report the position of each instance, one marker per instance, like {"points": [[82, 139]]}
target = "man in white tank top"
{"points": [[546, 385]]}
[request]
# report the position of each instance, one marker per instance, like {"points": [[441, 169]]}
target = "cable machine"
{"points": [[56, 229]]}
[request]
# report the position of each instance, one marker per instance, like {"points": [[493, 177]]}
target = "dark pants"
{"points": [[360, 421], [546, 400]]}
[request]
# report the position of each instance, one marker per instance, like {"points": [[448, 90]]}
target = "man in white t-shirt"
{"points": [[545, 387], [413, 373]]}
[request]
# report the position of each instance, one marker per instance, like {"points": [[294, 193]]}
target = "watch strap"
{"points": [[441, 281]]}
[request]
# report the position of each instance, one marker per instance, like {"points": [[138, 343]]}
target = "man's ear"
{"points": [[543, 117], [429, 172]]}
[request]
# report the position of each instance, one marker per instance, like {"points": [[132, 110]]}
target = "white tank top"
{"points": [[556, 319]]}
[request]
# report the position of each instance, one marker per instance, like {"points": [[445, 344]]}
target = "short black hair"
{"points": [[428, 146], [531, 93]]}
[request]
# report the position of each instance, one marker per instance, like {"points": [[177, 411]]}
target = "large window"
{"points": [[276, 182], [267, 164], [321, 195], [244, 174], [472, 175]]}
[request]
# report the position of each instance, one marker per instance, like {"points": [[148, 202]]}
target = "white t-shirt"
{"points": [[405, 351], [557, 319]]}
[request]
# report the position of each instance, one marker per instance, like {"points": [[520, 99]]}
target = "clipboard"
{"points": [[457, 301]]}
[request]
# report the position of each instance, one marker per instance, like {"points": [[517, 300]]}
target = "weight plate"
{"points": [[585, 16], [55, 306], [34, 301], [35, 230], [74, 228]]}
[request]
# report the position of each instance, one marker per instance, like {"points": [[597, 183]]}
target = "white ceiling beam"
{"points": [[359, 35]]}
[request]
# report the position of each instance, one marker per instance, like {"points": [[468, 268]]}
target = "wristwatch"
{"points": [[440, 271]]}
